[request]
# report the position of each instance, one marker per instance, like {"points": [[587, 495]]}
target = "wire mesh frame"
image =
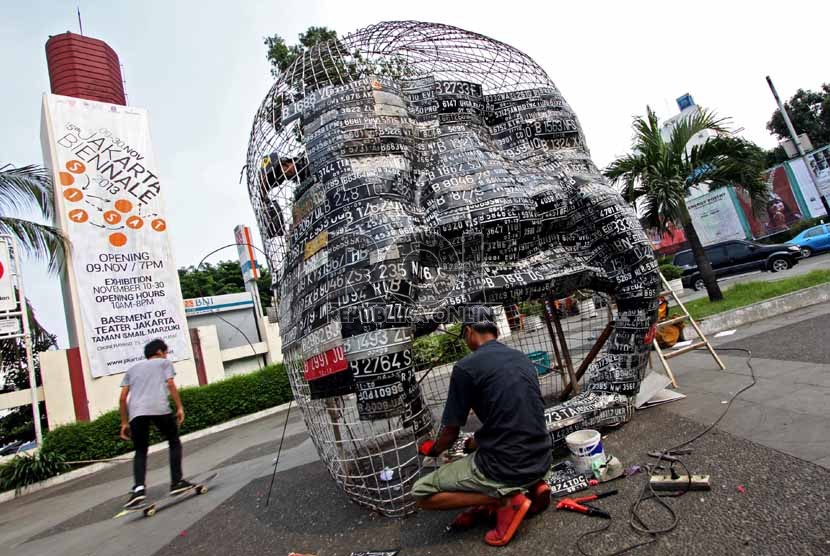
{"points": [[375, 462], [419, 49]]}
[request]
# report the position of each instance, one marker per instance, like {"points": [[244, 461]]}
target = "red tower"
{"points": [[84, 67]]}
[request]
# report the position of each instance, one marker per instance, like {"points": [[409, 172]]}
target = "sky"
{"points": [[199, 67]]}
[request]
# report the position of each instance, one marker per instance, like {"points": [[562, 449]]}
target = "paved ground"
{"points": [[816, 262], [789, 407], [765, 445]]}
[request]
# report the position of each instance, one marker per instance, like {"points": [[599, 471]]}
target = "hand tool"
{"points": [[576, 504]]}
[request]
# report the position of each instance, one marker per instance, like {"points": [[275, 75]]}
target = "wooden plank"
{"points": [[595, 349], [685, 349], [566, 355], [673, 320]]}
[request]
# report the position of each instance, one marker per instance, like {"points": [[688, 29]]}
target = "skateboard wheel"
{"points": [[201, 489], [151, 511]]}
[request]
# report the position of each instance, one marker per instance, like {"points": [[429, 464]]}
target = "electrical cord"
{"points": [[636, 520], [279, 451]]}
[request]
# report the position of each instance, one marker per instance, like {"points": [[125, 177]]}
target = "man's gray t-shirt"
{"points": [[148, 387]]}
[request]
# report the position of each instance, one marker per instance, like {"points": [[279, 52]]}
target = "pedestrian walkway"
{"points": [[74, 518], [789, 407]]}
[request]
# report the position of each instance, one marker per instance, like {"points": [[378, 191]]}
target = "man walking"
{"points": [[144, 393], [512, 449]]}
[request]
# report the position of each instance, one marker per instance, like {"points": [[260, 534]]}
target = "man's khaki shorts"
{"points": [[463, 476]]}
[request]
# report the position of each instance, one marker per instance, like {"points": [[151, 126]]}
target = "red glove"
{"points": [[425, 449]]}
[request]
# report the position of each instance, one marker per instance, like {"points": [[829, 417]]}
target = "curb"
{"points": [[765, 309], [123, 458]]}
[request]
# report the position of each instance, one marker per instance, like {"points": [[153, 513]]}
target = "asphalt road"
{"points": [[766, 445], [782, 509], [816, 262]]}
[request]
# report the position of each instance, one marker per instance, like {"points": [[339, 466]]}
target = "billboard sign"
{"points": [[245, 248], [109, 203], [715, 217], [7, 297], [218, 303], [809, 192]]}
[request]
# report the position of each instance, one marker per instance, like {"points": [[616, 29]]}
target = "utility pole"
{"points": [[797, 143]]}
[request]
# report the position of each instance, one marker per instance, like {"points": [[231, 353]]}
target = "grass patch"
{"points": [[741, 295]]}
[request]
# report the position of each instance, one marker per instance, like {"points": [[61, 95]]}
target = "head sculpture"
{"points": [[399, 174]]}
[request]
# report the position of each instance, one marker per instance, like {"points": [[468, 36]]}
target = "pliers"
{"points": [[576, 504]]}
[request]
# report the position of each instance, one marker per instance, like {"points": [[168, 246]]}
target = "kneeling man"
{"points": [[503, 479]]}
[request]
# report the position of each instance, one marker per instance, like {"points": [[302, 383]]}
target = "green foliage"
{"points": [[670, 272], [741, 295], [810, 114], [775, 156], [26, 469], [21, 191], [658, 175], [439, 348], [204, 406], [280, 55], [224, 277], [531, 308], [792, 231], [18, 424]]}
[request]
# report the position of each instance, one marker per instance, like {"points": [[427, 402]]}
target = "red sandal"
{"points": [[508, 519], [539, 498], [473, 516]]}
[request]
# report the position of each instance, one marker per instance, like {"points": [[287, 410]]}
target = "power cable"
{"points": [[279, 452], [635, 519], [201, 291]]}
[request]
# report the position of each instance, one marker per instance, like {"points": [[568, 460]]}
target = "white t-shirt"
{"points": [[148, 387]]}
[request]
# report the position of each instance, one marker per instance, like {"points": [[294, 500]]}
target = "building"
{"points": [[83, 67]]}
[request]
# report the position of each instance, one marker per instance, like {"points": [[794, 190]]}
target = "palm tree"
{"points": [[658, 175], [22, 189]]}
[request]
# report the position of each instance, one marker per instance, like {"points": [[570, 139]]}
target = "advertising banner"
{"points": [[109, 203], [245, 249], [715, 217], [7, 297], [820, 163], [809, 192], [781, 210]]}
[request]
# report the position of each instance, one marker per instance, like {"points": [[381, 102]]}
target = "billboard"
{"points": [[245, 249], [781, 209], [8, 301], [124, 285], [809, 192], [820, 163], [716, 217]]}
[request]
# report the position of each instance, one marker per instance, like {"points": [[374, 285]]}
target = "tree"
{"points": [[18, 424], [810, 114], [280, 55], [659, 175], [24, 189], [224, 277]]}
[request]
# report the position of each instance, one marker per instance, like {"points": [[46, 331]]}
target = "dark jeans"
{"points": [[140, 433]]}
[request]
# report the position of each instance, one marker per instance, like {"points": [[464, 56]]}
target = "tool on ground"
{"points": [[680, 482], [578, 505]]}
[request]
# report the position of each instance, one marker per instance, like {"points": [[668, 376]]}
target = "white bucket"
{"points": [[586, 448]]}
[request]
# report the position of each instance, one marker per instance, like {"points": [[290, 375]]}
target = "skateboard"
{"points": [[150, 508]]}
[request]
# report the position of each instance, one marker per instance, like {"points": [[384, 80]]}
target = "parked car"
{"points": [[812, 240], [10, 448], [31, 445], [736, 257]]}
